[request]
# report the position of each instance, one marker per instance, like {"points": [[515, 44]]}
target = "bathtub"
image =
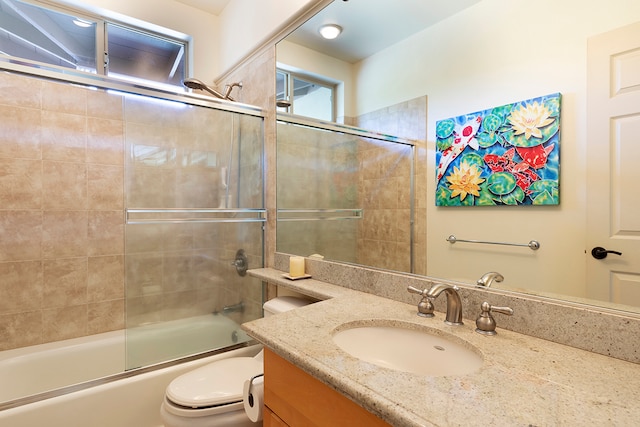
{"points": [[107, 395], [157, 342], [35, 369], [129, 402]]}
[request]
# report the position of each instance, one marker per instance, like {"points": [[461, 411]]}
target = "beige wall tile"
{"points": [[105, 233], [105, 279], [64, 185], [139, 110], [144, 309], [181, 304], [144, 238], [65, 282], [105, 105], [105, 316], [21, 132], [20, 184], [20, 329], [21, 233], [64, 137], [177, 237], [64, 98], [20, 286], [105, 141], [64, 323], [143, 274], [105, 187], [145, 188], [20, 91], [64, 234], [178, 272]]}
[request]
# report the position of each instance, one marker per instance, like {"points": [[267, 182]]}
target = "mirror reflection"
{"points": [[483, 55]]}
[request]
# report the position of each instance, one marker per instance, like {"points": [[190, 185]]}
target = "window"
{"points": [[142, 56], [305, 96], [74, 39]]}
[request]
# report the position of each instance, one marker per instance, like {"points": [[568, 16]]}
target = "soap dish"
{"points": [[286, 275]]}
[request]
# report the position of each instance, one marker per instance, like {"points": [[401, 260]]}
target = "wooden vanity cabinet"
{"points": [[294, 398]]}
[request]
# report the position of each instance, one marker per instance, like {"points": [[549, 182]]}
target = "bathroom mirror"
{"points": [[477, 56]]}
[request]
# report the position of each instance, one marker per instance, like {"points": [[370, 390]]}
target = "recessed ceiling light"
{"points": [[330, 31]]}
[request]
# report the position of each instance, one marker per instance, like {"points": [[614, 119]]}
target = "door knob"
{"points": [[601, 253]]}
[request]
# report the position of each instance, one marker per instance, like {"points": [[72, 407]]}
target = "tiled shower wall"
{"points": [[319, 169], [384, 239], [62, 223], [386, 243], [61, 211]]}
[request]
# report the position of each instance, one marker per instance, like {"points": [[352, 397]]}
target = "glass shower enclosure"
{"points": [[344, 193], [194, 224]]}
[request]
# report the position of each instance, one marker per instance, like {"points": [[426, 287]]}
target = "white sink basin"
{"points": [[417, 351]]}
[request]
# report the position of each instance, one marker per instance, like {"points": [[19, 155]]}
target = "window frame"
{"points": [[288, 89], [103, 19]]}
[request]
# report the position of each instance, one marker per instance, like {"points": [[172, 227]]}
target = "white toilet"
{"points": [[211, 396]]}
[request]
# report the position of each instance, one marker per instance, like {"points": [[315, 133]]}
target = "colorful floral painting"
{"points": [[507, 155]]}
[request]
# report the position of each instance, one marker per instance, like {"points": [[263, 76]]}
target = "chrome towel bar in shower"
{"points": [[534, 245]]}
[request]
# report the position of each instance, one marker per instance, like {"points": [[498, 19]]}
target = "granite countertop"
{"points": [[524, 381]]}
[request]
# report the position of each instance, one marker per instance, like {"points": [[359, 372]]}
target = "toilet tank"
{"points": [[282, 304]]}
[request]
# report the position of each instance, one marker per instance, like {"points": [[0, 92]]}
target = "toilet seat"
{"points": [[218, 384]]}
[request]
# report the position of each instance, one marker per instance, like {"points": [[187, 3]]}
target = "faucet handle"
{"points": [[485, 323], [425, 306], [413, 290]]}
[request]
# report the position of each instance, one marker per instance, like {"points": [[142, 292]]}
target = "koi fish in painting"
{"points": [[536, 156], [524, 176], [465, 135]]}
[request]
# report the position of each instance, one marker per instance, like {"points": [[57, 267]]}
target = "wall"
{"points": [[62, 211], [387, 208], [247, 24], [466, 64], [61, 215]]}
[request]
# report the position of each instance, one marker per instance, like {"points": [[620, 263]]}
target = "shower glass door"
{"points": [[195, 214], [345, 194]]}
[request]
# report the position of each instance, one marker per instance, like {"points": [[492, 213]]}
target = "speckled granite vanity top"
{"points": [[524, 381]]}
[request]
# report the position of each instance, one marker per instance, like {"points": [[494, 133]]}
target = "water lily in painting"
{"points": [[515, 158], [529, 119], [465, 180]]}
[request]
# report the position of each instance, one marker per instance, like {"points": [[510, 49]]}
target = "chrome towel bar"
{"points": [[534, 245]]}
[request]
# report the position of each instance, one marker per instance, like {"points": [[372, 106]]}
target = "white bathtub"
{"points": [[132, 401], [35, 369], [158, 342]]}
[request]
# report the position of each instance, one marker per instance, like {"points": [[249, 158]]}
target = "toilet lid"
{"points": [[217, 383]]}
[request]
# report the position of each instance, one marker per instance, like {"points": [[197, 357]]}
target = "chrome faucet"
{"points": [[488, 278], [234, 308], [454, 305]]}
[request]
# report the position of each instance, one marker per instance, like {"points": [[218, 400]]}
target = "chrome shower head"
{"points": [[197, 84]]}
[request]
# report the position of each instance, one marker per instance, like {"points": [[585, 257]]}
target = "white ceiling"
{"points": [[211, 6], [369, 25], [372, 25]]}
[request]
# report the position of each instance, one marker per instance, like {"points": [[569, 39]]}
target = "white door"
{"points": [[613, 165]]}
